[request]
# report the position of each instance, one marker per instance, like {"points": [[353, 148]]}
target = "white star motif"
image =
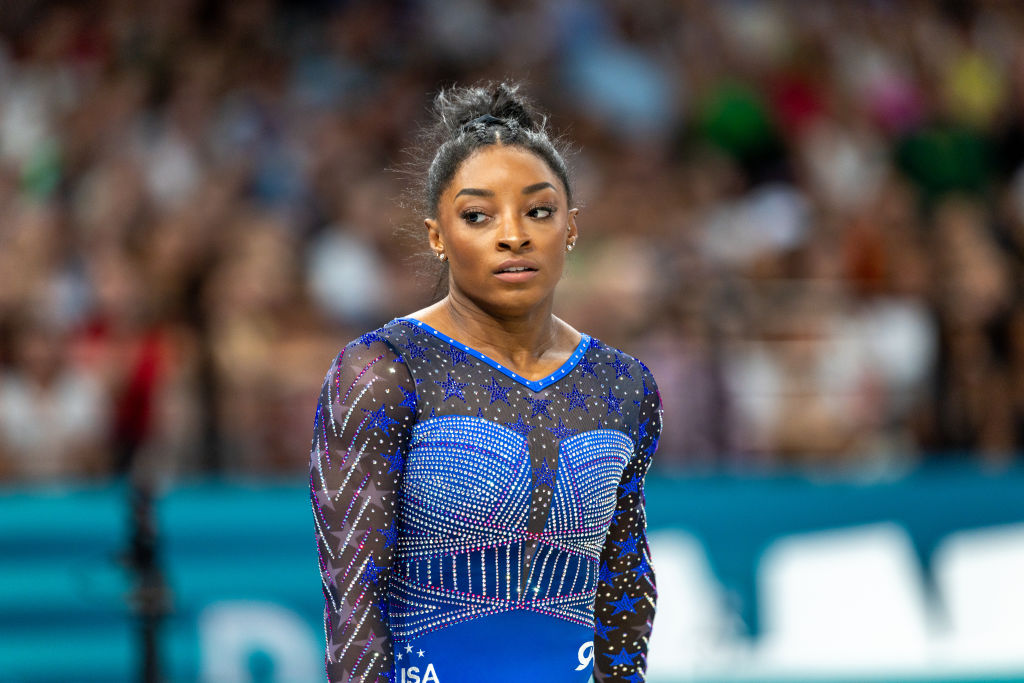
{"points": [[398, 656], [408, 648], [419, 652]]}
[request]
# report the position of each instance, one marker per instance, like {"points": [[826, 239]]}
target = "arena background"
{"points": [[807, 218]]}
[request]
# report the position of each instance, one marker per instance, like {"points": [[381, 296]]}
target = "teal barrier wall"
{"points": [[240, 562], [736, 518], [63, 586]]}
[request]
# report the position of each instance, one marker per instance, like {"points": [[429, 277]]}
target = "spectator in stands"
{"points": [[53, 417]]}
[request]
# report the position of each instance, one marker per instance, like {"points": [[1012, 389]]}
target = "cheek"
{"points": [[465, 255], [555, 244]]}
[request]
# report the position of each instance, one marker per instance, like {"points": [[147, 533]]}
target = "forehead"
{"points": [[496, 167]]}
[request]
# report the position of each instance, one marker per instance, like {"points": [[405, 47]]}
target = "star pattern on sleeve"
{"points": [[415, 350], [621, 368], [379, 419], [602, 630], [628, 546], [410, 399], [369, 338], [625, 604], [644, 567], [647, 390], [632, 486], [623, 658], [372, 643], [606, 574], [641, 431], [395, 460]]}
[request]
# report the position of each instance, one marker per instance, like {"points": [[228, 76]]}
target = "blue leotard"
{"points": [[473, 525]]}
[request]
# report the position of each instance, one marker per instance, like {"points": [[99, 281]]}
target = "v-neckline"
{"points": [[533, 384]]}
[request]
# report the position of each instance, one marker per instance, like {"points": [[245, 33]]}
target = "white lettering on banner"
{"points": [[699, 630], [412, 675], [585, 655], [869, 574], [230, 631]]}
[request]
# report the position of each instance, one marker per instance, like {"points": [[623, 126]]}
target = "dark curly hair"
{"points": [[468, 118]]}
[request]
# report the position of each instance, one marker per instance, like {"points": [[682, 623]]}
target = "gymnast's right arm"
{"points": [[360, 437]]}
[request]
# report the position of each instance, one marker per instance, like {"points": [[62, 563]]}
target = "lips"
{"points": [[517, 266], [518, 270]]}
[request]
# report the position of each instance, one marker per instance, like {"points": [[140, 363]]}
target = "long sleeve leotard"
{"points": [[475, 525]]}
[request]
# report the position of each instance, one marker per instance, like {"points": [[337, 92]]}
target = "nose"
{"points": [[512, 235]]}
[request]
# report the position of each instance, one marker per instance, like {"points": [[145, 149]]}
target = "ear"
{"points": [[434, 235], [573, 233]]}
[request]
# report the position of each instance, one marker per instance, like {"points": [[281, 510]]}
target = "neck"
{"points": [[519, 336]]}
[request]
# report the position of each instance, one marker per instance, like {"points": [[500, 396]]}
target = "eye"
{"points": [[541, 212], [473, 216]]}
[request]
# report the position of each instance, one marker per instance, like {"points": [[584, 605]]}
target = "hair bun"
{"points": [[506, 103], [457, 107]]}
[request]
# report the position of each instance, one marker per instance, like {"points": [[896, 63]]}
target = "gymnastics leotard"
{"points": [[473, 525]]}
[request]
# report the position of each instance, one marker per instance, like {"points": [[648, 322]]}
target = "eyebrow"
{"points": [[477, 192], [529, 189]]}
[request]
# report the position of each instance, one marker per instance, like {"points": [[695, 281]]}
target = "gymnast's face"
{"points": [[504, 223]]}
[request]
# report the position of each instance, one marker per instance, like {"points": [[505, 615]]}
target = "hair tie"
{"points": [[513, 129], [482, 122]]}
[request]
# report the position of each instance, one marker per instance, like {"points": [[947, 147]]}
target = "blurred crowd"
{"points": [[807, 218]]}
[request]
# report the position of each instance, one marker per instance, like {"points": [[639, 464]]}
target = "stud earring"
{"points": [[569, 246], [441, 256]]}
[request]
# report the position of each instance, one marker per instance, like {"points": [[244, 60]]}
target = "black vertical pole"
{"points": [[149, 598]]}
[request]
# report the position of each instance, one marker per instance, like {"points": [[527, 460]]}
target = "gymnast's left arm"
{"points": [[626, 592]]}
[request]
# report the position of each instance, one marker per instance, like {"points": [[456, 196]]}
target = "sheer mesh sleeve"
{"points": [[361, 434], [626, 593]]}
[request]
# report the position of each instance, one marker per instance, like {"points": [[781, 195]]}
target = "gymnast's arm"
{"points": [[626, 592], [361, 435]]}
